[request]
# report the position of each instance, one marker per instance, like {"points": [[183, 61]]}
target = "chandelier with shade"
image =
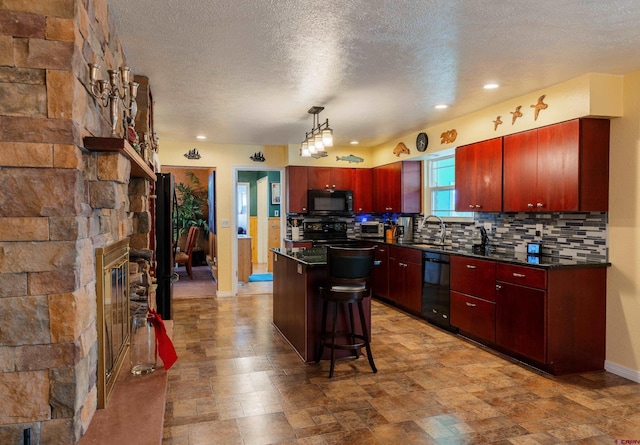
{"points": [[319, 138]]}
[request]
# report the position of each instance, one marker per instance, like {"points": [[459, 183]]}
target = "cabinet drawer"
{"points": [[406, 254], [473, 316], [474, 277], [522, 275]]}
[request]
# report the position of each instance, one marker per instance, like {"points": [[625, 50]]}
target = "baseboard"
{"points": [[627, 373], [225, 294]]}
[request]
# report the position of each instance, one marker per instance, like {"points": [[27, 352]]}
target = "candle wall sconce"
{"points": [[119, 88]]}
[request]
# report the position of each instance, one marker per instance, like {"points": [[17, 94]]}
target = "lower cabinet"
{"points": [[380, 282], [520, 320], [405, 277], [473, 309], [474, 316]]}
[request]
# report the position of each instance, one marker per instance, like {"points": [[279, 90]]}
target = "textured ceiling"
{"points": [[246, 72]]}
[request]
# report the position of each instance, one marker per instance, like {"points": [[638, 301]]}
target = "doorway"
{"points": [[265, 226]]}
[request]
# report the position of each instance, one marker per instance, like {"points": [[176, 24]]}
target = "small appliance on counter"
{"points": [[405, 229], [371, 229]]}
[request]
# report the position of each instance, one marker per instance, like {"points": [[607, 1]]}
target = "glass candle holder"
{"points": [[143, 351]]}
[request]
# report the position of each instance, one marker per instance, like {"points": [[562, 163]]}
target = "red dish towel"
{"points": [[165, 345]]}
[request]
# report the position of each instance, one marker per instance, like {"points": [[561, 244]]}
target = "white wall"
{"points": [[623, 279]]}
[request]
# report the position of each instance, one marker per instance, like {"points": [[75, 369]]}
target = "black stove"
{"points": [[325, 232]]}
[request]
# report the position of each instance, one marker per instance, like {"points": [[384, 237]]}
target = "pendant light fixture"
{"points": [[320, 136]]}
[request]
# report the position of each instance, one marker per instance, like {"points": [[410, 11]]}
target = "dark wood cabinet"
{"points": [[296, 189], [473, 276], [478, 172], [473, 305], [362, 192], [397, 187], [405, 277], [561, 167], [520, 320], [380, 280], [330, 178], [474, 316], [553, 318]]}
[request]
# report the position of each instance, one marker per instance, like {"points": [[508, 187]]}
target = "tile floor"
{"points": [[238, 382]]}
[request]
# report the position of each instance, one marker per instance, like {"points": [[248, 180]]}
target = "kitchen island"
{"points": [[297, 306]]}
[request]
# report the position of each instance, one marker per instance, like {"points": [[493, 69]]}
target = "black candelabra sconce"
{"points": [[192, 154]]}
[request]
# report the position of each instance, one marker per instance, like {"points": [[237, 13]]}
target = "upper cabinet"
{"points": [[479, 177], [330, 178], [397, 187], [296, 189], [362, 195], [562, 167]]}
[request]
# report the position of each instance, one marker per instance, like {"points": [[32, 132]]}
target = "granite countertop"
{"points": [[317, 256]]}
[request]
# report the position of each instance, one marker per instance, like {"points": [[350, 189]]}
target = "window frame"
{"points": [[428, 189]]}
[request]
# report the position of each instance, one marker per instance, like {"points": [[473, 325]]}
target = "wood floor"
{"points": [[238, 382]]}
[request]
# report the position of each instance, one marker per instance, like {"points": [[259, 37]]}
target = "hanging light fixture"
{"points": [[320, 136]]}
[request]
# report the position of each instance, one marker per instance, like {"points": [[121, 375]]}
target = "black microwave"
{"points": [[330, 202]]}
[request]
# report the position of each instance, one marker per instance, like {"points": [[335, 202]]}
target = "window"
{"points": [[441, 177]]}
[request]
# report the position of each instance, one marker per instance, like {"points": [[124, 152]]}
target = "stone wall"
{"points": [[58, 203]]}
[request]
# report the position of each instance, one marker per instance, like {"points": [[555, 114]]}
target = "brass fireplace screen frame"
{"points": [[113, 318]]}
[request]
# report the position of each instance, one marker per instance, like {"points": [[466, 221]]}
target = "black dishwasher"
{"points": [[435, 289]]}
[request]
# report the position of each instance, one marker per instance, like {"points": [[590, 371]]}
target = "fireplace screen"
{"points": [[112, 288]]}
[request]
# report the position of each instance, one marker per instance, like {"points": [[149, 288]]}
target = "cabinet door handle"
{"points": [[470, 304], [498, 287], [519, 275], [539, 205], [381, 250], [530, 205], [469, 266], [477, 206], [470, 206]]}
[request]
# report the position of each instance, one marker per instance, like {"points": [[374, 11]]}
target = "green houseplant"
{"points": [[191, 207]]}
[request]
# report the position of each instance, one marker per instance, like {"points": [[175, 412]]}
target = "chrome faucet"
{"points": [[443, 229]]}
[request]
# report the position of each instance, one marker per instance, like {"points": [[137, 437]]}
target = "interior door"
{"points": [[263, 215]]}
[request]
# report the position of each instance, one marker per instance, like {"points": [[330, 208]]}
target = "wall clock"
{"points": [[422, 141]]}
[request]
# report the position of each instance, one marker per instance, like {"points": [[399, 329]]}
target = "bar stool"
{"points": [[348, 283]]}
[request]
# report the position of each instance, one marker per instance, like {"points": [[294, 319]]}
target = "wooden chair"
{"points": [[186, 257], [348, 283]]}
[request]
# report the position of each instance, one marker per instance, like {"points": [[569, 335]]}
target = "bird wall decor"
{"points": [[497, 122], [539, 106], [515, 114]]}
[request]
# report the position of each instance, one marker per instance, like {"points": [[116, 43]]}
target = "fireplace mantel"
{"points": [[139, 169]]}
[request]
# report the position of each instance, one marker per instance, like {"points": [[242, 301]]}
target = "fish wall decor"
{"points": [[350, 158]]}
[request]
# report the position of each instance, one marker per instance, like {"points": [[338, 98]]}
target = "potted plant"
{"points": [[191, 207]]}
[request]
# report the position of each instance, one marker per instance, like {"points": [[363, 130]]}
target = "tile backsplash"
{"points": [[575, 235]]}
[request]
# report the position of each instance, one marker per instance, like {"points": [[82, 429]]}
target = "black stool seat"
{"points": [[348, 284]]}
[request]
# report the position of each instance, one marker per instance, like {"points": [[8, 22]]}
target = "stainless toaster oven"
{"points": [[371, 229]]}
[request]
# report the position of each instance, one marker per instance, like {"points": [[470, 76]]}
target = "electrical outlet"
{"points": [[487, 226], [276, 213], [538, 231], [224, 223]]}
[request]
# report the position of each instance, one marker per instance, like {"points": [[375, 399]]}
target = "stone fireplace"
{"points": [[60, 202]]}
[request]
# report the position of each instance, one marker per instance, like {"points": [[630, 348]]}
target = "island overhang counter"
{"points": [[297, 306]]}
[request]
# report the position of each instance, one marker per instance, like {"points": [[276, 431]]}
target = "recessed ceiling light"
{"points": [[354, 142], [491, 86], [201, 137], [441, 106]]}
